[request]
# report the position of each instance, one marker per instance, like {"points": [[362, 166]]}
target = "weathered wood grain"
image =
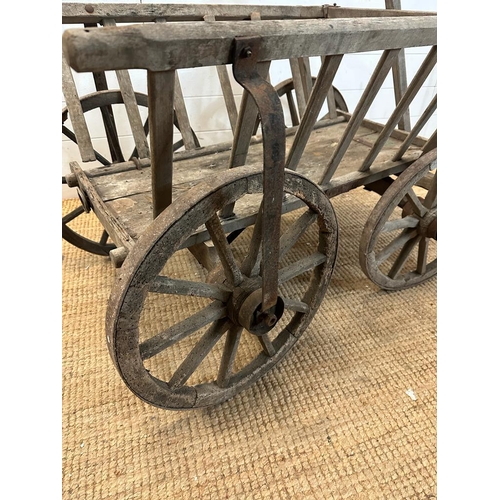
{"points": [[161, 124], [399, 73], [403, 105], [134, 117], [429, 111], [74, 13], [76, 114], [384, 65], [321, 88], [165, 46]]}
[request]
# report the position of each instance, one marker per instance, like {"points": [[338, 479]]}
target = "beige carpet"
{"points": [[350, 413]]}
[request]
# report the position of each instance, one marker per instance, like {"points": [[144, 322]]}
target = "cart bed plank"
{"points": [[129, 193]]}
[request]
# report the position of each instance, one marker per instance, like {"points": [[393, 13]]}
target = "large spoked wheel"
{"points": [[110, 105], [399, 242], [182, 336]]}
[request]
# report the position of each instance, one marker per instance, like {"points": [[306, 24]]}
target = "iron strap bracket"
{"points": [[246, 51]]}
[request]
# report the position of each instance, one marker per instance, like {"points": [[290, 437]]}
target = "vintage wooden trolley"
{"points": [[226, 251]]}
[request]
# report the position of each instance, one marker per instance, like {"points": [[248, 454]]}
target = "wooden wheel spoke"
{"points": [[179, 331], [104, 238], [423, 248], [397, 224], [430, 200], [251, 263], [267, 345], [399, 242], [295, 231], [198, 353], [296, 305], [231, 269], [293, 109], [419, 209], [211, 337], [164, 284], [72, 215], [300, 267], [388, 253], [229, 355], [402, 257]]}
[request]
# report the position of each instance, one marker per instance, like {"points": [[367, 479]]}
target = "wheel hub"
{"points": [[428, 225], [256, 321]]}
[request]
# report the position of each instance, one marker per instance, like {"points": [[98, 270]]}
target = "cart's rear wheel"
{"points": [[182, 337], [286, 88], [106, 102], [399, 242]]}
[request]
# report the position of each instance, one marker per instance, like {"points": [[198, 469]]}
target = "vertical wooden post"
{"points": [[161, 85], [399, 74]]}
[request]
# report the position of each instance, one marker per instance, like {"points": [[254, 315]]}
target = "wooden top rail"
{"points": [[167, 46], [353, 12], [75, 13]]}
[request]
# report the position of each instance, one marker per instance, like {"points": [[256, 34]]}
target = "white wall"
{"points": [[205, 103]]}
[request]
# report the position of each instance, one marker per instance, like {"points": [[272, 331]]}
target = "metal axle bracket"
{"points": [[246, 57]]}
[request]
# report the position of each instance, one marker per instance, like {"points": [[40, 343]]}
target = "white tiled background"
{"points": [[205, 103]]}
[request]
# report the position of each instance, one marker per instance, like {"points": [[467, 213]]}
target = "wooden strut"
{"points": [[273, 131]]}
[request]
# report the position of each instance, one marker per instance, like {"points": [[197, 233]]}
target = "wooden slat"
{"points": [[101, 84], [130, 102], [415, 85], [76, 114], [322, 86], [330, 99], [399, 73], [417, 128], [400, 135], [75, 13], [227, 90], [302, 81], [384, 65], [160, 47], [161, 124], [182, 116], [109, 220], [353, 12], [300, 92], [431, 143]]}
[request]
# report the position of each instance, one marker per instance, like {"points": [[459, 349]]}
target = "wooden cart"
{"points": [[230, 248]]}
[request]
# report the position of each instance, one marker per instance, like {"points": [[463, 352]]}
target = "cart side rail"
{"points": [[162, 48], [167, 46], [76, 13]]}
